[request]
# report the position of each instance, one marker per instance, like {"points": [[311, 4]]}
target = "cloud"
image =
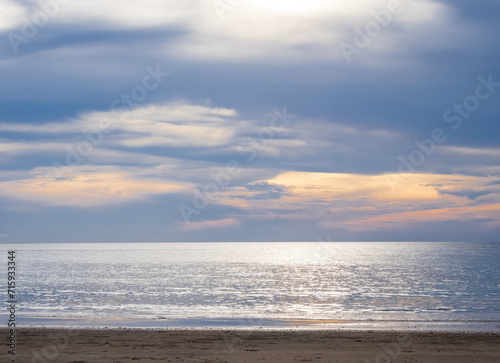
{"points": [[358, 202], [260, 30], [87, 187], [161, 145], [33, 147], [258, 191], [393, 221], [471, 194], [221, 223], [331, 186], [171, 125], [326, 171], [112, 13], [280, 31], [11, 14], [177, 125], [473, 151]]}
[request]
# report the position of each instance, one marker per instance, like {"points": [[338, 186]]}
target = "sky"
{"points": [[249, 120]]}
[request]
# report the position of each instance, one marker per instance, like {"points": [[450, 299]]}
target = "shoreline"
{"points": [[265, 324], [221, 346]]}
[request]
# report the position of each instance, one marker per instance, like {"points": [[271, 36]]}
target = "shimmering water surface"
{"points": [[334, 281]]}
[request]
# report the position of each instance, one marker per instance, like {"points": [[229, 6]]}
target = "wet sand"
{"points": [[220, 346]]}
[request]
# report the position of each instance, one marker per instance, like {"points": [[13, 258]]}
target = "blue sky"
{"points": [[249, 120]]}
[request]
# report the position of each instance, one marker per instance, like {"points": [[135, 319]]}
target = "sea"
{"points": [[266, 285]]}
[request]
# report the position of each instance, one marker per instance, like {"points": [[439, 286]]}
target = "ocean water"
{"points": [[199, 283]]}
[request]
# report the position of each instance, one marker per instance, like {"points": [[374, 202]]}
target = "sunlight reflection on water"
{"points": [[361, 281]]}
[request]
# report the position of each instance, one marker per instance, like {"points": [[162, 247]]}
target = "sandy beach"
{"points": [[220, 346]]}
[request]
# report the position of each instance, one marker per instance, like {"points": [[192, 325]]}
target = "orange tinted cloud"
{"points": [[357, 201], [220, 223], [490, 211], [86, 188]]}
